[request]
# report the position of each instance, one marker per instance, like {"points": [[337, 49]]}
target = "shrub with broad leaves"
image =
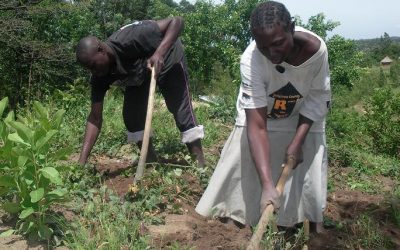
{"points": [[29, 181]]}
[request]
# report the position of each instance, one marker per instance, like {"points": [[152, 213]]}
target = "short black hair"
{"points": [[85, 48], [269, 13]]}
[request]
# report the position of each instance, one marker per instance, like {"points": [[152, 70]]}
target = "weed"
{"points": [[359, 182], [292, 238], [177, 246], [382, 121], [113, 131], [81, 179], [107, 223], [395, 206], [161, 190], [367, 235]]}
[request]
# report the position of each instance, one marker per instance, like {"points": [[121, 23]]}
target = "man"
{"points": [[282, 104], [125, 58]]}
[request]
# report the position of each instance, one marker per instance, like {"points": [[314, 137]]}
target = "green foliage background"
{"points": [[37, 40], [37, 63]]}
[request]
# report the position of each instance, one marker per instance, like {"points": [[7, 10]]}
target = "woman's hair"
{"points": [[270, 13]]}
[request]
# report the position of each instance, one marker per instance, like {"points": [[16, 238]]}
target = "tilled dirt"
{"points": [[192, 230]]}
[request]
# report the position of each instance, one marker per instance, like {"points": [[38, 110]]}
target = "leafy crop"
{"points": [[29, 182]]}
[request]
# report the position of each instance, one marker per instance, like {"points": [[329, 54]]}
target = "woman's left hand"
{"points": [[297, 151]]}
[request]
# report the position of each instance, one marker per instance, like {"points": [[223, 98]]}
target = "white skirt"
{"points": [[234, 189]]}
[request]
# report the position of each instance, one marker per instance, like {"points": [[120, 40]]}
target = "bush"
{"points": [[382, 121], [29, 182], [345, 136], [394, 73]]}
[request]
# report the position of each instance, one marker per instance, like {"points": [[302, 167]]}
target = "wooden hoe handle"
{"points": [[147, 128], [269, 210]]}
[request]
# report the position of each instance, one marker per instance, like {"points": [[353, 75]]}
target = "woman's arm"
{"points": [[260, 151]]}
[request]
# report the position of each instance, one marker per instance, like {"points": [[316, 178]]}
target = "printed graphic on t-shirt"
{"points": [[135, 23], [285, 101]]}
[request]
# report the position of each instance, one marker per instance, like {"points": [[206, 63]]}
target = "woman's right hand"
{"points": [[270, 196]]}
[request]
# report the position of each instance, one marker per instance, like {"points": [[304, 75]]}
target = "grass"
{"points": [[178, 246], [106, 223], [366, 235], [292, 239], [395, 206]]}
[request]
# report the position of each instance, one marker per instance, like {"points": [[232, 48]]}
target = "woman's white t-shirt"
{"points": [[285, 90]]}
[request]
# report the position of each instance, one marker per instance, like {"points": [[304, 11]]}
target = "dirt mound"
{"points": [[193, 230]]}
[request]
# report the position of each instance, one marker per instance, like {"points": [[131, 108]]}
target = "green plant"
{"points": [[178, 246], [29, 181], [344, 60], [382, 121], [395, 206], [106, 223], [394, 73], [290, 238], [367, 234], [272, 240], [160, 191], [81, 180], [223, 109], [113, 131], [382, 78]]}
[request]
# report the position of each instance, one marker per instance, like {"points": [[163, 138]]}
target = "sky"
{"points": [[359, 19]]}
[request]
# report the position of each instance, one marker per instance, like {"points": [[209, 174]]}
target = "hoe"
{"points": [[147, 129], [269, 210]]}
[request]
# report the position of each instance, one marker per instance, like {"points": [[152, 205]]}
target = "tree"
{"points": [[36, 47], [343, 61], [394, 73], [217, 34], [318, 24], [385, 47], [110, 15]]}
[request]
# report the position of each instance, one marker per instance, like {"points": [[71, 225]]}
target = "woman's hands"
{"points": [[295, 149]]}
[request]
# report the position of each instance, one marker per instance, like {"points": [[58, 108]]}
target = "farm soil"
{"points": [[190, 229]]}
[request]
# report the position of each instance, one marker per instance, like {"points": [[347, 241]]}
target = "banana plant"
{"points": [[29, 181]]}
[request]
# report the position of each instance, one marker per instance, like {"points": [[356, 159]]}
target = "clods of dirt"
{"points": [[344, 208], [192, 230]]}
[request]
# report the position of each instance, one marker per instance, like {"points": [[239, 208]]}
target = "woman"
{"points": [[282, 103]]}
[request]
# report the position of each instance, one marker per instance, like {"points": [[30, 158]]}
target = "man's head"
{"points": [[92, 54], [272, 28]]}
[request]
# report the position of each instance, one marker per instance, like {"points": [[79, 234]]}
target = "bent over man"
{"points": [[125, 58]]}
